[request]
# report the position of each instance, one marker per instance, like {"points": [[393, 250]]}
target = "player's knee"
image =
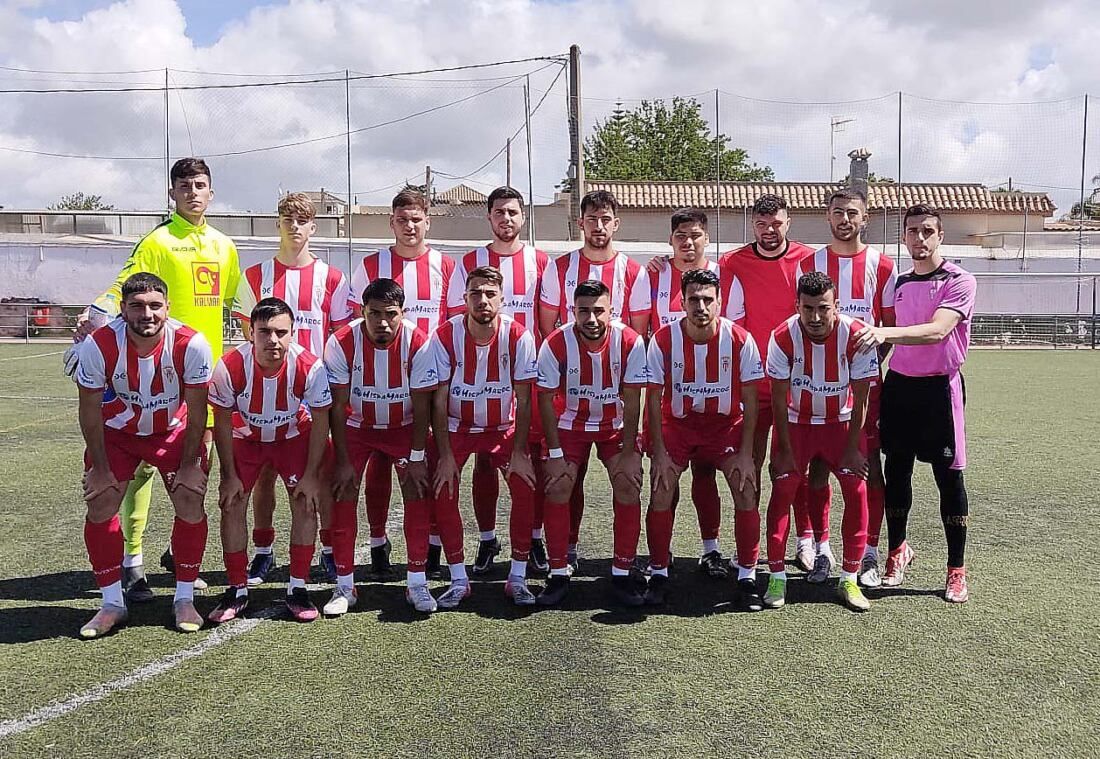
{"points": [[560, 491], [102, 508], [626, 492]]}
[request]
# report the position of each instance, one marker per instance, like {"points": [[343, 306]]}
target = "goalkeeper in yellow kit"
{"points": [[201, 268]]}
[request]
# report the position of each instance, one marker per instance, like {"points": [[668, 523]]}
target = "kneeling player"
{"points": [[820, 382], [271, 404], [158, 369], [486, 363], [702, 370], [598, 368], [382, 375]]}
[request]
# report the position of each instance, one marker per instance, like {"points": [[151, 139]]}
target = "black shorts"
{"points": [[922, 417]]}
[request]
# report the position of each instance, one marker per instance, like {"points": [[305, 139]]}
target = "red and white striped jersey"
{"points": [[820, 374], [756, 291], [316, 292], [589, 382], [703, 379], [425, 280], [522, 273], [381, 380], [270, 408], [481, 378], [665, 296], [148, 389], [865, 282], [624, 277]]}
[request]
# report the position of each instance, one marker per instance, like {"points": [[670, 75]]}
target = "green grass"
{"points": [[1013, 673]]}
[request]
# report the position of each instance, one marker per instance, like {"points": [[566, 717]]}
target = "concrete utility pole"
{"points": [[428, 184], [508, 162], [576, 158]]}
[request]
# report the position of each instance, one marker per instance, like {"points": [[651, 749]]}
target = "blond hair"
{"points": [[297, 205]]}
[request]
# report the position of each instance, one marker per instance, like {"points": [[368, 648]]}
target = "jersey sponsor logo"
{"points": [[153, 403], [207, 282], [600, 396], [307, 320], [703, 389], [474, 393], [516, 304], [856, 308], [370, 394], [822, 388], [277, 419]]}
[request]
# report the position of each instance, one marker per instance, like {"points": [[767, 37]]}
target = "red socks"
{"points": [[784, 493], [485, 492], [417, 516], [708, 504], [377, 491], [746, 531], [188, 546], [301, 556], [105, 549], [521, 519], [804, 527], [817, 503], [854, 527], [556, 525], [658, 531], [627, 527], [236, 568], [263, 537], [449, 521], [576, 510], [345, 525]]}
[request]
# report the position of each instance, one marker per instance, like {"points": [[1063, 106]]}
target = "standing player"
{"points": [[628, 289], [158, 369], [318, 295], [924, 394], [596, 366], [201, 268], [424, 275], [820, 381], [486, 364], [382, 376], [865, 280], [271, 404], [757, 282], [522, 267], [703, 370]]}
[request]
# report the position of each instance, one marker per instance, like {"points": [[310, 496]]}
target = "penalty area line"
{"points": [[35, 355], [61, 707]]}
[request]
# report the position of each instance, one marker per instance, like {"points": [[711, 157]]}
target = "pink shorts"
{"points": [[287, 457], [125, 452], [364, 441], [689, 440], [819, 441]]}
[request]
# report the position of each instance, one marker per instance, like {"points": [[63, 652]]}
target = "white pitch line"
{"points": [[36, 355], [61, 707], [34, 398]]}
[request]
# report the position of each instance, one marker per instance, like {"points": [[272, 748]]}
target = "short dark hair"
{"points": [[599, 199], [268, 308], [769, 204], [384, 290], [143, 282], [815, 283], [689, 216], [490, 274], [847, 193], [921, 209], [409, 198], [591, 288], [504, 193], [185, 168], [700, 278]]}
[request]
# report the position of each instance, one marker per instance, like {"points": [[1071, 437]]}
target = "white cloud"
{"points": [[805, 51]]}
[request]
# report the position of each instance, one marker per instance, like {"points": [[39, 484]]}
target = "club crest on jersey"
{"points": [[726, 361]]}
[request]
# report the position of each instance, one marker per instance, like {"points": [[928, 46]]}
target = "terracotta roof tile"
{"points": [[461, 194]]}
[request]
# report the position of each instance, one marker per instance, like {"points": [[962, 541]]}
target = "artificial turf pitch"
{"points": [[1015, 672]]}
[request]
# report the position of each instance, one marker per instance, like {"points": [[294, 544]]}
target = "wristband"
{"points": [[415, 456], [556, 453]]}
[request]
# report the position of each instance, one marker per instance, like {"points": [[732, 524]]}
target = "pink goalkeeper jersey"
{"points": [[918, 298], [269, 408], [820, 374]]}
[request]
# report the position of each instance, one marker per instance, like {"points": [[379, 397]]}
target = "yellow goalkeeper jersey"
{"points": [[200, 266]]}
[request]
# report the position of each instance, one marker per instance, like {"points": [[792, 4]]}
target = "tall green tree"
{"points": [[658, 141], [78, 201]]}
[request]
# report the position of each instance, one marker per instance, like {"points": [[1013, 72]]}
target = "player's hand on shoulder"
{"points": [[99, 481], [870, 338], [656, 264]]}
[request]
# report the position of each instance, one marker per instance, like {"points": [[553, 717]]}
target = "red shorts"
{"points": [[497, 444], [287, 458], [363, 441], [687, 441], [870, 426], [125, 452], [577, 445], [818, 441]]}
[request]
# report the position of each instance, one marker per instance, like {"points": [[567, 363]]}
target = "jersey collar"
{"points": [[187, 226]]}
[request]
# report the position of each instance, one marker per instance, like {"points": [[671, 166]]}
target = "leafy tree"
{"points": [[660, 142], [78, 201]]}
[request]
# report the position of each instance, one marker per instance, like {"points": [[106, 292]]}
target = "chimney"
{"points": [[857, 173]]}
